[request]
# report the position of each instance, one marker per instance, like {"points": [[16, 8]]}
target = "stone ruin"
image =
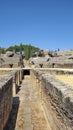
{"points": [[56, 97], [8, 86], [11, 60], [59, 59]]}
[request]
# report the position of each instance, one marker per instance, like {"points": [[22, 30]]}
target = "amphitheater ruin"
{"points": [[34, 98]]}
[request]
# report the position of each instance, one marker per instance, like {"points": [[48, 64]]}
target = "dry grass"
{"points": [[3, 72], [68, 79]]}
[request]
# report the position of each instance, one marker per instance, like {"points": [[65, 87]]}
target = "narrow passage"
{"points": [[30, 114]]}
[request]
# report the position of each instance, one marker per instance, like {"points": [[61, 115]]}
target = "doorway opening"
{"points": [[26, 72], [11, 65]]}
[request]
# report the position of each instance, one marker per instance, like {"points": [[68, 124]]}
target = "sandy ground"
{"points": [[68, 79]]}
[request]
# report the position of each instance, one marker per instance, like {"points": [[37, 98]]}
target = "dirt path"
{"points": [[27, 112]]}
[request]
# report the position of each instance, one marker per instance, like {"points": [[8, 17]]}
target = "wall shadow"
{"points": [[18, 88], [11, 123]]}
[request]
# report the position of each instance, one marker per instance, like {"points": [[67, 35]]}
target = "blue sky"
{"points": [[47, 24]]}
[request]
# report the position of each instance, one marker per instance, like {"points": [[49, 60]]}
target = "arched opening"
{"points": [[11, 65], [32, 63], [41, 65], [26, 72], [53, 65]]}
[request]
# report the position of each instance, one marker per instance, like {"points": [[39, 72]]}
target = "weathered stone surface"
{"points": [[39, 62], [5, 99], [8, 81], [60, 96], [59, 59], [11, 60], [9, 54]]}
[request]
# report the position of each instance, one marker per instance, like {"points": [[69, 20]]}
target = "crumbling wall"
{"points": [[56, 98]]}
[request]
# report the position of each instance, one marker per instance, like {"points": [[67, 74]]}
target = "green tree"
{"points": [[21, 47], [28, 52], [2, 50], [28, 49]]}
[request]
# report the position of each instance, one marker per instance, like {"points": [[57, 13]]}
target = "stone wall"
{"points": [[63, 65], [5, 65], [55, 71], [9, 83], [17, 79], [56, 98], [6, 84]]}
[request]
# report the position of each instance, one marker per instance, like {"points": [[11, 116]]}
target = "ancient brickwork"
{"points": [[56, 98]]}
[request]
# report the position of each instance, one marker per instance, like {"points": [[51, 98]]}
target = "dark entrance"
{"points": [[53, 65], [26, 72], [41, 65], [11, 65]]}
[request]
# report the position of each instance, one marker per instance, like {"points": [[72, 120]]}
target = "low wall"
{"points": [[17, 79], [6, 84], [56, 98], [55, 71], [9, 82], [64, 65]]}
